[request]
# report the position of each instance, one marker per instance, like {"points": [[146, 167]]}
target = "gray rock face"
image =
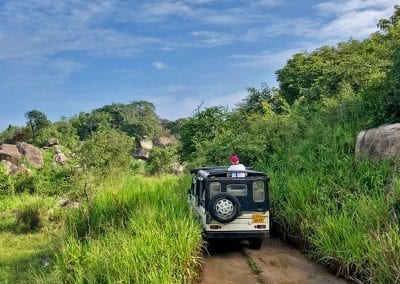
{"points": [[33, 154], [146, 144], [60, 158], [141, 153], [379, 143], [10, 153], [53, 142], [164, 141]]}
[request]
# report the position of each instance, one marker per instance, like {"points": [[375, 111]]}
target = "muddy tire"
{"points": [[255, 243], [224, 207]]}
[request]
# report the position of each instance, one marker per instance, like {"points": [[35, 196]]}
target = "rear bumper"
{"points": [[235, 234]]}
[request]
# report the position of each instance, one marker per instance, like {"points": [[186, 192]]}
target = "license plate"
{"points": [[258, 218]]}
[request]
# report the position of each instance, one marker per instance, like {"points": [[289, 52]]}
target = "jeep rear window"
{"points": [[258, 191], [237, 189], [215, 187]]}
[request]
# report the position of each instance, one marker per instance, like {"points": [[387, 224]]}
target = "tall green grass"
{"points": [[345, 213], [138, 230]]}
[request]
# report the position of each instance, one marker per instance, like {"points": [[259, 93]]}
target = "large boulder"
{"points": [[145, 144], [32, 154], [59, 159], [379, 143], [10, 153], [53, 142], [164, 141], [141, 153]]}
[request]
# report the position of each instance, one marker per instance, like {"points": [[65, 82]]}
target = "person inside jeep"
{"points": [[236, 166]]}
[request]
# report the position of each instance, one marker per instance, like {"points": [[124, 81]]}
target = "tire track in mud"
{"points": [[232, 262]]}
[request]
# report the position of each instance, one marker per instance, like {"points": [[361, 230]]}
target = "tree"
{"points": [[199, 129], [262, 101], [107, 150], [36, 121]]}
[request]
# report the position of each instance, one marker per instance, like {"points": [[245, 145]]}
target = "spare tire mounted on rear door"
{"points": [[224, 207]]}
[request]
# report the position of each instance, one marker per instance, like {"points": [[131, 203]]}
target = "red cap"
{"points": [[234, 159]]}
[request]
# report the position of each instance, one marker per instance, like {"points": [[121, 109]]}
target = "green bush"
{"points": [[161, 160], [28, 217], [107, 150], [6, 185], [25, 183]]}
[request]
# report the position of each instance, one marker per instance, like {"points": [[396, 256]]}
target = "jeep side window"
{"points": [[215, 187], [201, 193], [258, 191], [237, 189]]}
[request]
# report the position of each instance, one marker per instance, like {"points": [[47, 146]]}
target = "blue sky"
{"points": [[63, 57]]}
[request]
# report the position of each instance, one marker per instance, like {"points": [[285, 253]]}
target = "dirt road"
{"points": [[231, 262]]}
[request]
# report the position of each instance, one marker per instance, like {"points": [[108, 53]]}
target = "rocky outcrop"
{"points": [[379, 143], [10, 153], [178, 168], [146, 144], [59, 159], [143, 150], [14, 169], [32, 154], [141, 153], [53, 142], [164, 141]]}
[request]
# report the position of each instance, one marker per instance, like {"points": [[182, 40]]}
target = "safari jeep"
{"points": [[231, 207]]}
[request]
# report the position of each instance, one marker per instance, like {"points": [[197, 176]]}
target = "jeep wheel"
{"points": [[224, 207], [255, 243]]}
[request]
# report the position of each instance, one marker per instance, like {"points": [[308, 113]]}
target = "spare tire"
{"points": [[224, 207]]}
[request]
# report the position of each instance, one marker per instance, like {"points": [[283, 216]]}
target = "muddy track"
{"points": [[232, 262]]}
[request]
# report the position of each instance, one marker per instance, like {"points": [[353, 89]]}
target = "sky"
{"points": [[65, 57]]}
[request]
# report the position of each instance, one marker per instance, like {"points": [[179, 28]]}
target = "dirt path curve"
{"points": [[232, 262]]}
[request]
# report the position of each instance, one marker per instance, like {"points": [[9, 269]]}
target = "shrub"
{"points": [[107, 149], [25, 183], [6, 186], [28, 217]]}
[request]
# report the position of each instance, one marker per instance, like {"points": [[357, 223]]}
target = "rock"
{"points": [[178, 168], [10, 153], [53, 142], [379, 143], [141, 153], [146, 144], [164, 141], [9, 167], [63, 202], [59, 158], [32, 154]]}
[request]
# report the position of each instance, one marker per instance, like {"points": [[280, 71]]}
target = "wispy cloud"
{"points": [[352, 18], [211, 38], [272, 60], [160, 65]]}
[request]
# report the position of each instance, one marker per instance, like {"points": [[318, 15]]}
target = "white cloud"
{"points": [[352, 18], [160, 65], [272, 60], [211, 38]]}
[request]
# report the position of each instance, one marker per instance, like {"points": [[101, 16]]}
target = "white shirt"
{"points": [[238, 167]]}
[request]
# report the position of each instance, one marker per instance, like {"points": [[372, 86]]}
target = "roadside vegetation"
{"points": [[131, 222]]}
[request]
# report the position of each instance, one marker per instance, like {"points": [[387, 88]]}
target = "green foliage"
{"points": [[89, 123], [25, 183], [202, 127], [137, 119], [161, 160], [63, 131], [14, 134], [6, 184], [36, 120], [120, 247], [106, 150], [29, 216]]}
